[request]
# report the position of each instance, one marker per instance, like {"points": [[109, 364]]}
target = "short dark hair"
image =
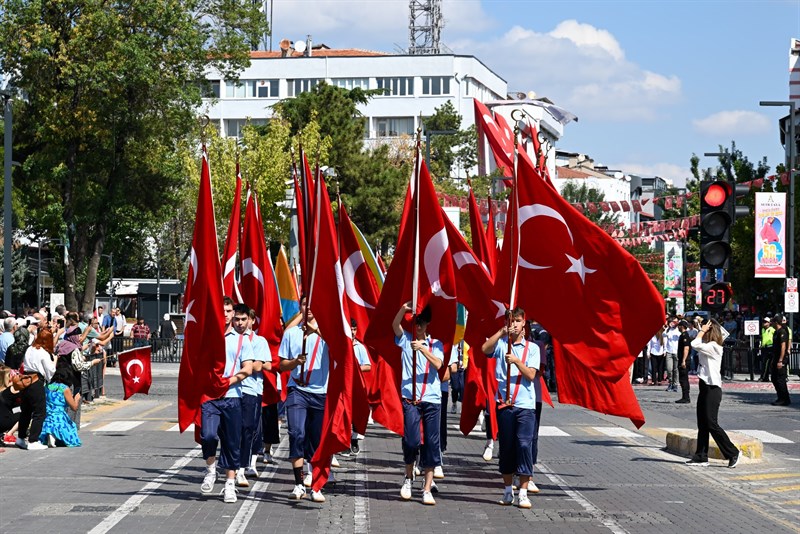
{"points": [[516, 312], [241, 309], [227, 301], [353, 323], [251, 313], [424, 316]]}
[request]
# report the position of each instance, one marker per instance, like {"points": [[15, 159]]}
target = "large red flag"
{"points": [[203, 360], [326, 300], [301, 236], [422, 251], [479, 244], [259, 290], [309, 207], [491, 240], [586, 291], [361, 288], [502, 149], [578, 384], [229, 285], [134, 368]]}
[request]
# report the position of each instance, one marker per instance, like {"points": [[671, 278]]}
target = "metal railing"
{"points": [[738, 357]]}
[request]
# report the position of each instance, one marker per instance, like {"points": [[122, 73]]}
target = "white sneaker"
{"points": [[37, 446], [453, 408], [51, 441], [438, 472], [482, 421], [405, 490], [307, 480], [208, 482], [515, 482], [334, 461], [251, 471], [317, 496], [508, 498], [532, 488], [229, 492], [524, 501], [488, 451], [241, 481], [417, 472], [434, 487], [427, 498], [268, 459], [298, 492]]}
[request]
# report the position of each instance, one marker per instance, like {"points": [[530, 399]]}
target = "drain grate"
{"points": [[582, 516]]}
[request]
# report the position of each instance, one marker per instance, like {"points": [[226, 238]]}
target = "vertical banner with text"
{"points": [[673, 269], [770, 226]]}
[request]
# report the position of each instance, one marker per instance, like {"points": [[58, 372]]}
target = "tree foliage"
{"points": [[110, 89]]}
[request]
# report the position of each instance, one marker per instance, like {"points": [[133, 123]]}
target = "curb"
{"points": [[684, 442]]}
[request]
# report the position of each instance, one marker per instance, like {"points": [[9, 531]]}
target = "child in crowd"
{"points": [[58, 428]]}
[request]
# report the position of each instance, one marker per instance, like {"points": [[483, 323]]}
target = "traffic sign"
{"points": [[791, 302], [751, 328], [791, 284]]}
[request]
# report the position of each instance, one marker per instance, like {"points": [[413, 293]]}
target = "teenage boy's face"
{"points": [[240, 322], [228, 314]]}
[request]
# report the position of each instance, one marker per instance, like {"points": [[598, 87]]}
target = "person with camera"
{"points": [[708, 345]]}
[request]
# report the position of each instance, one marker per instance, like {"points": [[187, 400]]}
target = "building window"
{"points": [[210, 88], [235, 127], [267, 88], [436, 85], [394, 126], [397, 86], [350, 83], [303, 85]]}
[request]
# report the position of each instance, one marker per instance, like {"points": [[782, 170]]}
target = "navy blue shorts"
{"points": [[515, 432], [304, 414], [221, 421], [251, 427], [425, 415]]}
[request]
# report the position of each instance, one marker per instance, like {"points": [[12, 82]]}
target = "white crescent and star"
{"points": [[434, 251], [134, 363], [577, 265], [349, 269]]}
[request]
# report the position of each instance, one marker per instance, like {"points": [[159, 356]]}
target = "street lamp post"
{"points": [[789, 147], [7, 233]]}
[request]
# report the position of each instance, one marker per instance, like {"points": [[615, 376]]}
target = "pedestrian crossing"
{"points": [[545, 431]]}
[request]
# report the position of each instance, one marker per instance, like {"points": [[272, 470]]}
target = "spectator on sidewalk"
{"points": [[9, 406], [7, 338], [58, 428], [656, 351], [39, 361], [672, 336], [781, 348], [684, 348], [167, 331], [767, 333], [140, 333]]}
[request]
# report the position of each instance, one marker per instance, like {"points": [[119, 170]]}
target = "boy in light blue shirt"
{"points": [[516, 371], [421, 399]]}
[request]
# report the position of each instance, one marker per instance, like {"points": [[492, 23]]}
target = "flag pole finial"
{"points": [[205, 121]]}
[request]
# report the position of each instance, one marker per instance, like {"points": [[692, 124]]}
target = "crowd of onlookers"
{"points": [[669, 357], [47, 362]]}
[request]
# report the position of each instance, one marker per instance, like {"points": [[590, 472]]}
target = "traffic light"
{"points": [[716, 296], [715, 224], [718, 212]]}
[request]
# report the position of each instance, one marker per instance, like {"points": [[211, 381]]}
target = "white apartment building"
{"points": [[416, 85]]}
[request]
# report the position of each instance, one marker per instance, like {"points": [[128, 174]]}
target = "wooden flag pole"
{"points": [[415, 279]]}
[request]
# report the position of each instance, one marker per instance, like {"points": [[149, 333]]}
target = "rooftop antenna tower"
{"points": [[425, 25]]}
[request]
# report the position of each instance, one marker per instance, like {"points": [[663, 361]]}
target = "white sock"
{"points": [[253, 460], [230, 482], [211, 467], [509, 489]]}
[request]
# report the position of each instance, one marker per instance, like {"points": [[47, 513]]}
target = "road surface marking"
{"points": [[118, 426], [764, 436]]}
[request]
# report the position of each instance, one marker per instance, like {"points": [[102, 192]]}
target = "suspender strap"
{"points": [[313, 359], [518, 381], [238, 354]]}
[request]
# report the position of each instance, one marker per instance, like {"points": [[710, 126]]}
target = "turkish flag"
{"points": [[258, 286], [491, 241], [327, 301], [229, 285], [502, 148], [361, 288], [309, 206], [203, 361], [581, 285], [480, 244], [134, 368], [579, 384], [300, 209], [422, 226]]}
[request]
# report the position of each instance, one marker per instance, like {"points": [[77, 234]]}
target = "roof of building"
{"points": [[321, 52], [567, 173]]}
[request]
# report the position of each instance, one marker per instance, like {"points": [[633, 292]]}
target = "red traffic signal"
{"points": [[716, 296], [716, 194]]}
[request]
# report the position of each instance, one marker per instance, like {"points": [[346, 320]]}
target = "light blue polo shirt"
{"points": [[254, 384], [433, 388], [318, 366], [526, 395], [361, 353], [234, 358]]}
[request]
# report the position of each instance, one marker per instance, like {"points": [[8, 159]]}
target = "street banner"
{"points": [[673, 269], [698, 289], [770, 235]]}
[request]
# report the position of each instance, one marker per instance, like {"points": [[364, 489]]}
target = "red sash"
{"points": [[516, 384]]}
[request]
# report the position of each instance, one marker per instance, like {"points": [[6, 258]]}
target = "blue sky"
{"points": [[651, 82]]}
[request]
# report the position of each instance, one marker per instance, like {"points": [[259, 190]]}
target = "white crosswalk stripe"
{"points": [[118, 426], [764, 436], [616, 432], [551, 431], [176, 428]]}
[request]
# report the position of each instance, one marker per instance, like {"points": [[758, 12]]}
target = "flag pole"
{"points": [[317, 212], [514, 253], [303, 275], [415, 279]]}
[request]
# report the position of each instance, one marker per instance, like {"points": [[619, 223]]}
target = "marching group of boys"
{"points": [[236, 425]]}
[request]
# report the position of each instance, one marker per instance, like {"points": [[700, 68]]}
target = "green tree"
{"points": [[111, 89], [583, 194], [459, 149]]}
